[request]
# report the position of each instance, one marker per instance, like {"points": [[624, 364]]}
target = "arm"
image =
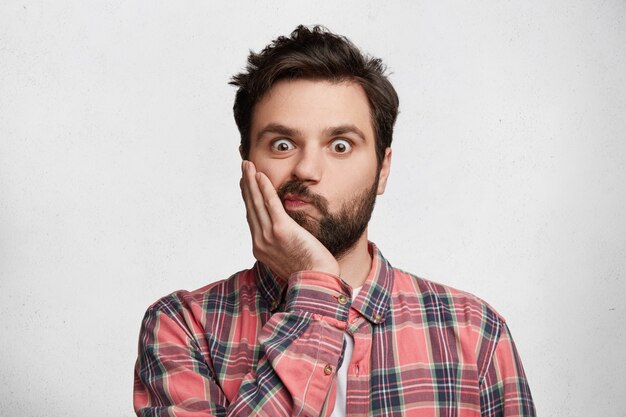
{"points": [[504, 390], [173, 377]]}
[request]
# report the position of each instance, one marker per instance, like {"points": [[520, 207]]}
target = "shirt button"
{"points": [[328, 370], [343, 300], [378, 317]]}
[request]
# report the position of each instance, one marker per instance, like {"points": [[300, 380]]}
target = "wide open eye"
{"points": [[340, 146], [282, 145]]}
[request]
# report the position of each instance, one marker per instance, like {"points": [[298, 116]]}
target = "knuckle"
{"points": [[278, 230], [267, 236]]}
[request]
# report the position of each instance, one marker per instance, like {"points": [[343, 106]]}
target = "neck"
{"points": [[355, 265]]}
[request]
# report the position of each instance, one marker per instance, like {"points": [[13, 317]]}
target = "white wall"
{"points": [[119, 178]]}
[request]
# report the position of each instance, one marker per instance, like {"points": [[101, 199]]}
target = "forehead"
{"points": [[314, 105]]}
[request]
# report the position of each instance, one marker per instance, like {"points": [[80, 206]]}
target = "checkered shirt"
{"points": [[257, 345]]}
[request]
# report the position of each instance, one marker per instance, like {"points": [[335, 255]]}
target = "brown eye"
{"points": [[282, 145], [340, 146]]}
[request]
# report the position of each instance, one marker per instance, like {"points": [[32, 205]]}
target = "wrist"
{"points": [[318, 293], [331, 268]]}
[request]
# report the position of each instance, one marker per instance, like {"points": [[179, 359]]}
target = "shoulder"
{"points": [[442, 302], [452, 317], [222, 294]]}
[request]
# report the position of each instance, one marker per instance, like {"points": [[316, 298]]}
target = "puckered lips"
{"points": [[295, 202]]}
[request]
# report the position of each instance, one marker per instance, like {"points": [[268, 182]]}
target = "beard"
{"points": [[340, 231]]}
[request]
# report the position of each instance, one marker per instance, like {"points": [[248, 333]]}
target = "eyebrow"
{"points": [[343, 129], [280, 129]]}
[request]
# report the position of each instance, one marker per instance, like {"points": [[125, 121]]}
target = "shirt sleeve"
{"points": [[504, 390], [295, 375]]}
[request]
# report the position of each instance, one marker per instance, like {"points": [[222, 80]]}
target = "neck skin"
{"points": [[356, 264]]}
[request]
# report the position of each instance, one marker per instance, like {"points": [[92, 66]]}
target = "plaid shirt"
{"points": [[256, 345]]}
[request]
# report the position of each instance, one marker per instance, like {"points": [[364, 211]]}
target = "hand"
{"points": [[277, 240]]}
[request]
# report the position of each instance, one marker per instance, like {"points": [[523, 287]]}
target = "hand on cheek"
{"points": [[277, 240]]}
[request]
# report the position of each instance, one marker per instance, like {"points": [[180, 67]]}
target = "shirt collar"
{"points": [[373, 299]]}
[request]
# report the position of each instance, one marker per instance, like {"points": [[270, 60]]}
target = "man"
{"points": [[322, 324]]}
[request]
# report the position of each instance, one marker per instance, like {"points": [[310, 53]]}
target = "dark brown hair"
{"points": [[316, 53]]}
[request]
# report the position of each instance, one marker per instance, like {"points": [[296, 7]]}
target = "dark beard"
{"points": [[337, 232]]}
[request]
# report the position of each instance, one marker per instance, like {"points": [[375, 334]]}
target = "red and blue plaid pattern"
{"points": [[256, 345]]}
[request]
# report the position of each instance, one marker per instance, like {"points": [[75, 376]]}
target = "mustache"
{"points": [[298, 189]]}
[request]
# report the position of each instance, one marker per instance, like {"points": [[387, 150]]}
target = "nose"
{"points": [[309, 165]]}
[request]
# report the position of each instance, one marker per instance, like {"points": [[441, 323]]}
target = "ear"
{"points": [[385, 166]]}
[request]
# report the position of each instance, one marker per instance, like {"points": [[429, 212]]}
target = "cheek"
{"points": [[274, 172], [345, 186]]}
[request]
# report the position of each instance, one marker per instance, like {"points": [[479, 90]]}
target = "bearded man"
{"points": [[322, 325]]}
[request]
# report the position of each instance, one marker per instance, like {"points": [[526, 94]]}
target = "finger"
{"points": [[272, 202], [257, 198], [253, 221]]}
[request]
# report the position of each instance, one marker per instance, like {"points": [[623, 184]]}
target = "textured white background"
{"points": [[119, 178]]}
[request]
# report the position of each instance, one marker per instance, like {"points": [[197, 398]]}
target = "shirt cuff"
{"points": [[319, 293]]}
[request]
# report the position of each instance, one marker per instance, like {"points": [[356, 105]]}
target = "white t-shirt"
{"points": [[342, 373]]}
